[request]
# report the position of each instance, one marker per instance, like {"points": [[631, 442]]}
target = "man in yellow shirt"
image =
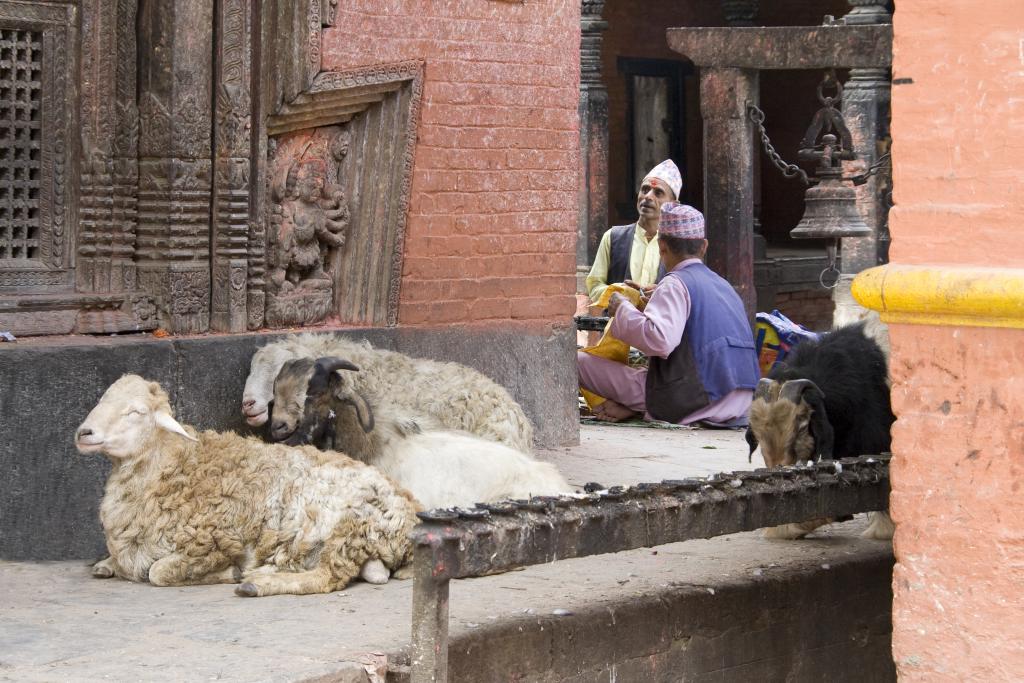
{"points": [[630, 252]]}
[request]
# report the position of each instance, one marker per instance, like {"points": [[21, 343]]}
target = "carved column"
{"points": [[865, 107], [109, 172], [868, 12], [726, 93], [98, 97], [175, 107], [232, 166], [593, 112]]}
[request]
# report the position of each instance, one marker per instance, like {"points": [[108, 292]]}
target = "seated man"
{"points": [[695, 331], [630, 252]]}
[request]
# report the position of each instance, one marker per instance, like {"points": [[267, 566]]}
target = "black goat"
{"points": [[828, 399]]}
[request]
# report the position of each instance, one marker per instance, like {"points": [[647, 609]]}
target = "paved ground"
{"points": [[56, 623], [625, 455]]}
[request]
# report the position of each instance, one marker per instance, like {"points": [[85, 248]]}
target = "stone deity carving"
{"points": [[308, 221]]}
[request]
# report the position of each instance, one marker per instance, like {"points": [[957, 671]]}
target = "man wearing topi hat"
{"points": [[630, 252], [695, 333]]}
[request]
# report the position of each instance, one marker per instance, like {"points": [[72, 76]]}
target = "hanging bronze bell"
{"points": [[830, 205], [830, 210]]}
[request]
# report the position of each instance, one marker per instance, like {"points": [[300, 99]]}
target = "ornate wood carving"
{"points": [[175, 165], [233, 111], [366, 274], [108, 178], [328, 9], [37, 62]]}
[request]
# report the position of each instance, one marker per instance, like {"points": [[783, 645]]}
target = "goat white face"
{"points": [[126, 418]]}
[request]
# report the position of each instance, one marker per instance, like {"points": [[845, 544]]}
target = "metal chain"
{"points": [[862, 178], [787, 169]]}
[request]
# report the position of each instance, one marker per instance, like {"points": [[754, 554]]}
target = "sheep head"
{"points": [[258, 395], [128, 417], [305, 395], [789, 422]]}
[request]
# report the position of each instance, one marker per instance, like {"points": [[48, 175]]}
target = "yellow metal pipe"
{"points": [[952, 296]]}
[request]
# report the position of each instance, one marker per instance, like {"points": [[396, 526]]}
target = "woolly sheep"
{"points": [[829, 399], [183, 507], [441, 468], [447, 395]]}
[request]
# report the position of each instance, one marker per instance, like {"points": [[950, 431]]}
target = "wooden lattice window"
{"points": [[21, 63]]}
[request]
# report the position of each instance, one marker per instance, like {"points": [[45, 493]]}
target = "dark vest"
{"points": [[716, 355], [621, 246]]}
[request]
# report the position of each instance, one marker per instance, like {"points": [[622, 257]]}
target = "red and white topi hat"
{"points": [[681, 220], [668, 173]]}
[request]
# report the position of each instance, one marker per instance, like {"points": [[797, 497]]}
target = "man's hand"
{"points": [[646, 291], [616, 301]]}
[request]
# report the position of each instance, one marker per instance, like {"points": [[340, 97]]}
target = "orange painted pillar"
{"points": [[953, 295]]}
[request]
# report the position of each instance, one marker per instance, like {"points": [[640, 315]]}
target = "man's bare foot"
{"points": [[610, 411]]}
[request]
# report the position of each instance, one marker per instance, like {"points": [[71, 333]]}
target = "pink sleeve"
{"points": [[659, 329]]}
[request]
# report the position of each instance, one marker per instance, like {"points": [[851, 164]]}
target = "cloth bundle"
{"points": [[608, 346]]}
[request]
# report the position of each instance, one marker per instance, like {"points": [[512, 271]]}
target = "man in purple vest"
{"points": [[630, 252], [695, 332]]}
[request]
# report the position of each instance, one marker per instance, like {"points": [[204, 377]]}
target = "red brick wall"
{"points": [[491, 234], [812, 308]]}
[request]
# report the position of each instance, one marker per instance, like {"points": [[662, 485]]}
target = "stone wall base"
{"points": [[50, 494]]}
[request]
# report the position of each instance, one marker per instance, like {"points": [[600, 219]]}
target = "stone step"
{"points": [[733, 608]]}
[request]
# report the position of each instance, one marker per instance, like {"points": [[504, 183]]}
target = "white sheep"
{"points": [[441, 468], [447, 395], [184, 507]]}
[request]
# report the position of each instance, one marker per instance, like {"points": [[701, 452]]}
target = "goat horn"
{"points": [[363, 411], [329, 364], [764, 389], [794, 389]]}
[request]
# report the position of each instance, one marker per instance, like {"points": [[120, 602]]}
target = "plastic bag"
{"points": [[774, 336]]}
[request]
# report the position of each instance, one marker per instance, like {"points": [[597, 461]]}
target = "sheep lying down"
{"points": [[185, 507], [449, 395], [442, 468]]}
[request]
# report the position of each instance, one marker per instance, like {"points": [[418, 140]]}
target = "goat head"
{"points": [[789, 422]]}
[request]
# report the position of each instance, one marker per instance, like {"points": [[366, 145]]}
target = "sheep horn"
{"points": [[362, 407], [330, 364], [765, 389], [323, 370], [794, 389]]}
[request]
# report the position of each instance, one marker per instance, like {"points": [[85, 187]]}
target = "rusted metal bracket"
{"points": [[493, 538]]}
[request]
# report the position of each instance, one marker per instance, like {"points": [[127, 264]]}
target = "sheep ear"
{"points": [[752, 442], [165, 421]]}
